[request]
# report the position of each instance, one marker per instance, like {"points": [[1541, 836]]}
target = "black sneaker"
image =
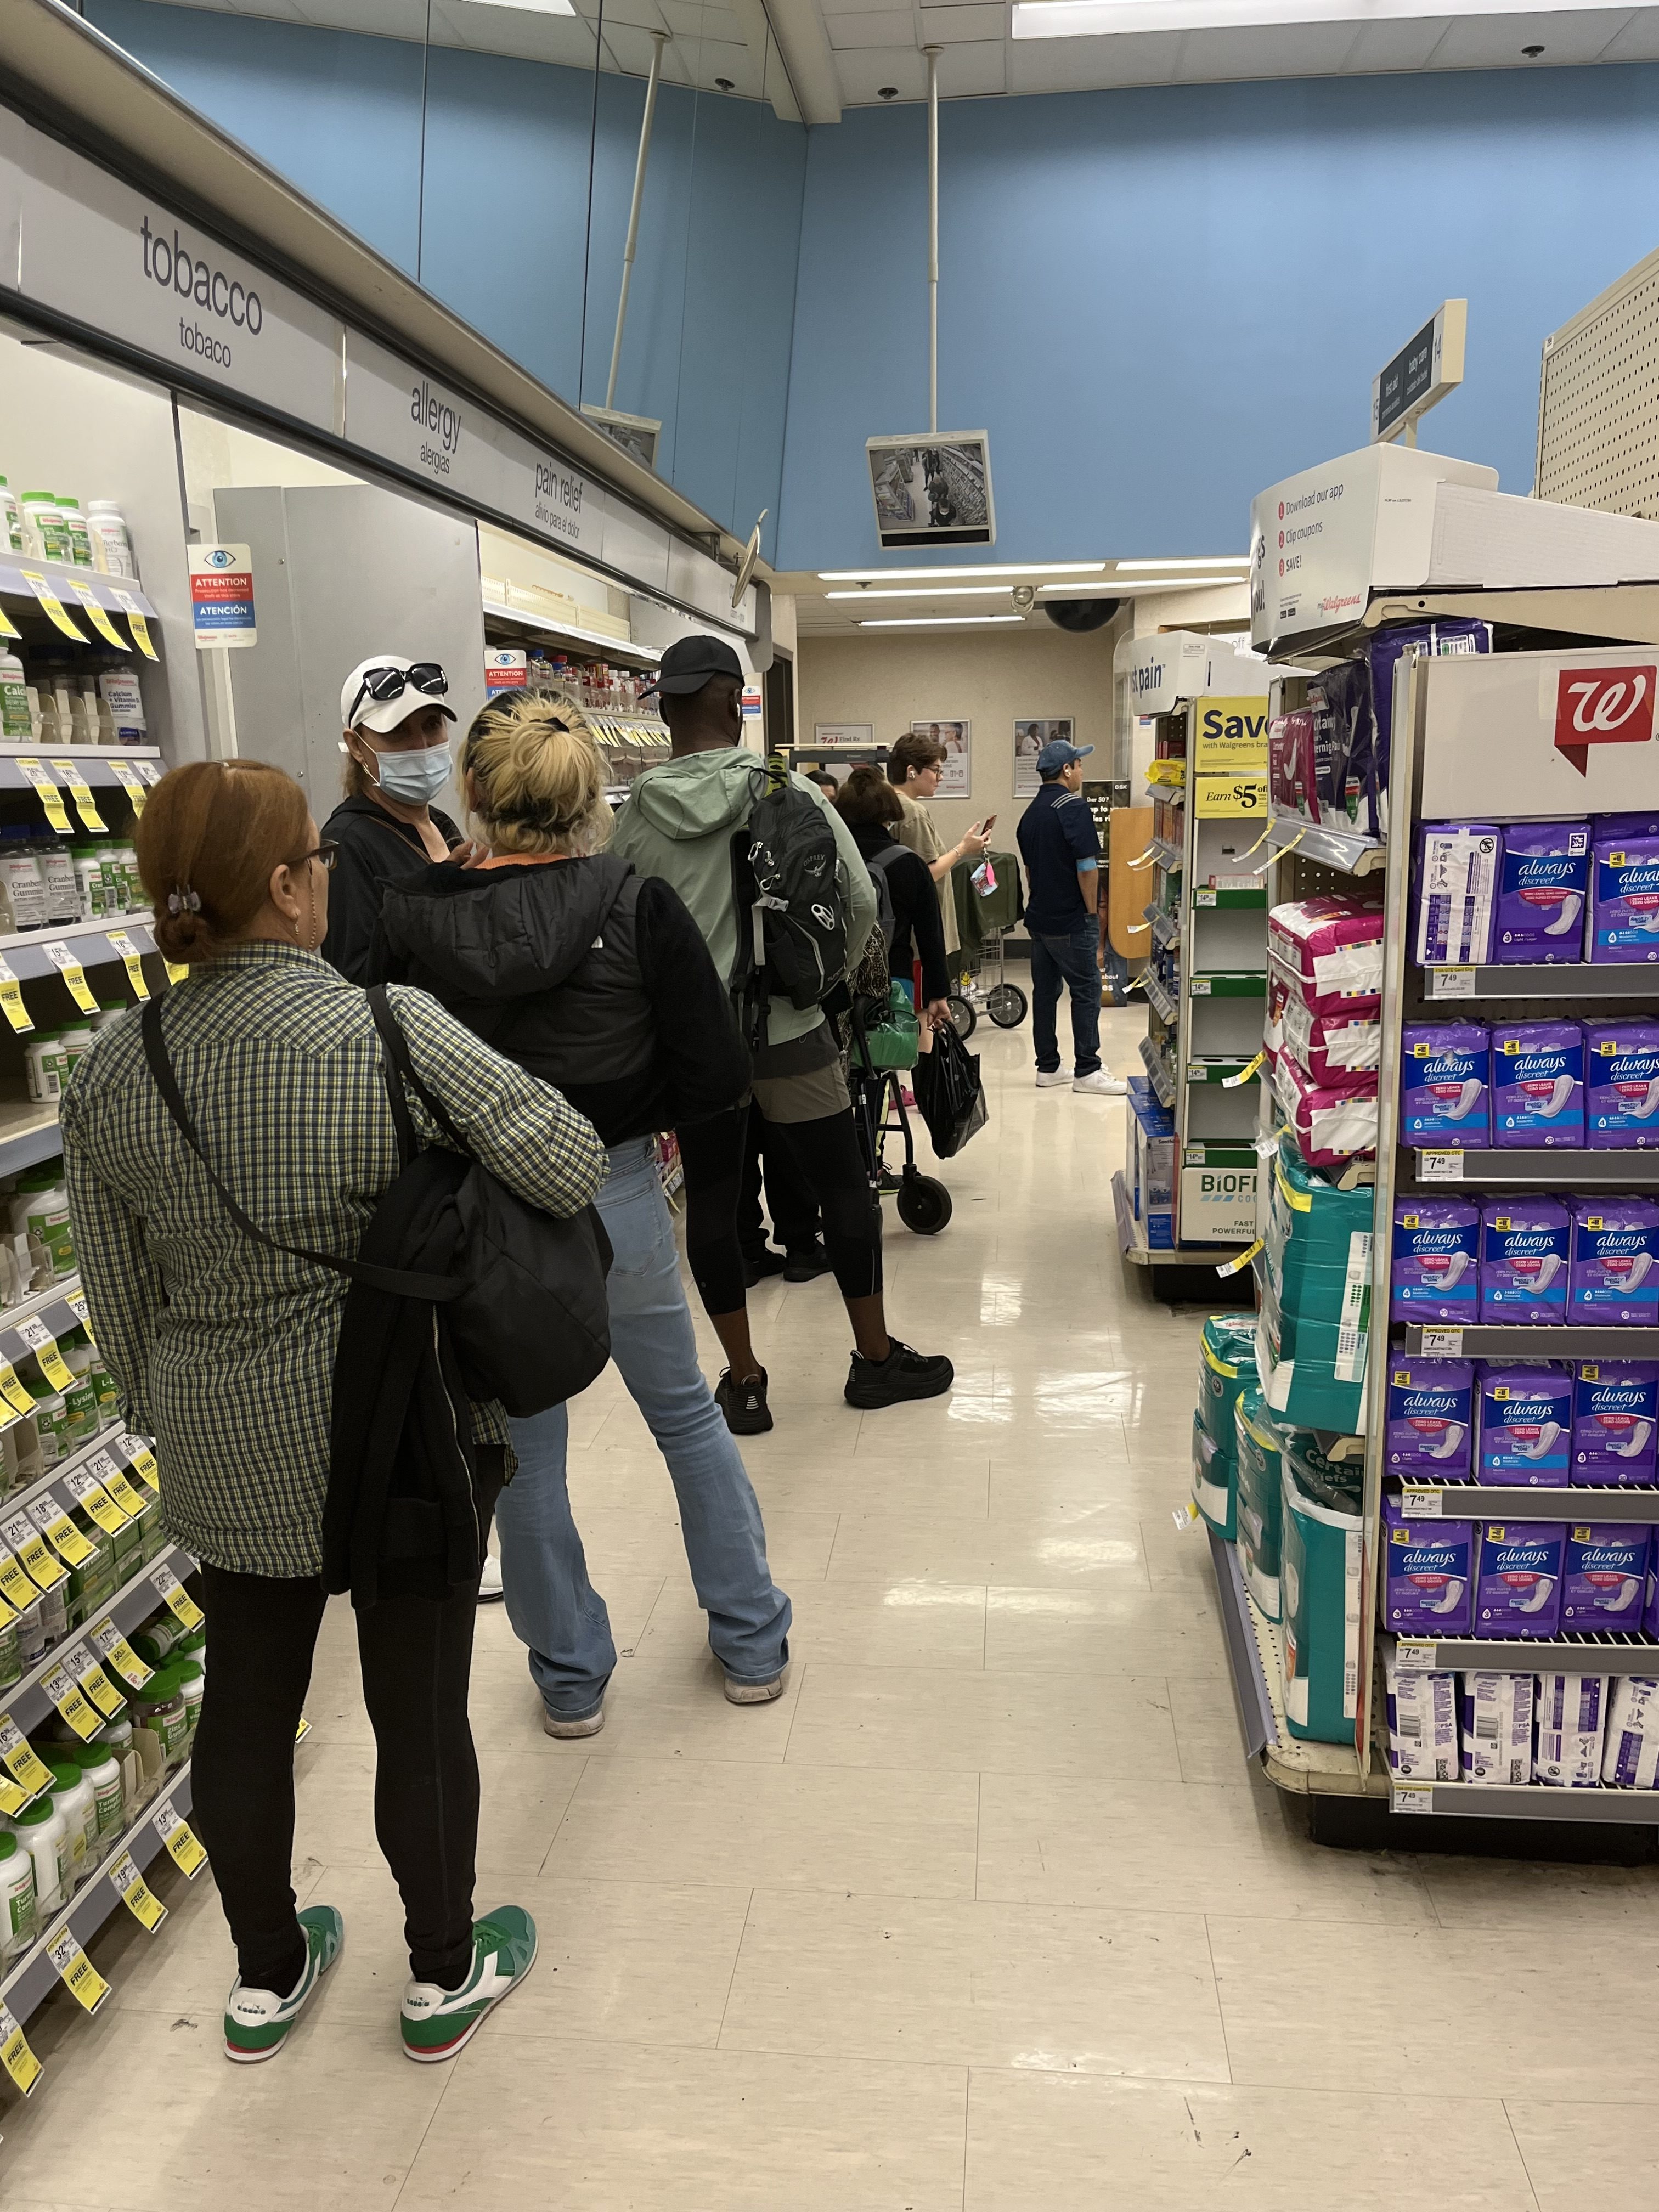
{"points": [[758, 1266], [807, 1264], [903, 1374], [744, 1404]]}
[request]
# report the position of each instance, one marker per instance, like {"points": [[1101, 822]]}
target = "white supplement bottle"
{"points": [[88, 880], [31, 1636], [57, 874], [112, 541], [120, 687], [73, 1799], [40, 1211], [74, 1043], [102, 1771], [16, 725], [133, 900], [42, 1833], [17, 1917], [75, 524], [46, 1067], [11, 521], [44, 520]]}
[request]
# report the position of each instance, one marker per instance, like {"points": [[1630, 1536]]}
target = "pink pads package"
{"points": [[1332, 948], [1615, 1262], [1338, 1051], [1625, 900], [1330, 1126], [1538, 1086], [1621, 1085], [1444, 1087], [1543, 888]]}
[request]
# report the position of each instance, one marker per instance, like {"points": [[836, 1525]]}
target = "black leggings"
{"points": [[416, 1658], [826, 1155]]}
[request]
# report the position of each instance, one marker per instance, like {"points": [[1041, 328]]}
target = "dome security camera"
{"points": [[1024, 596]]}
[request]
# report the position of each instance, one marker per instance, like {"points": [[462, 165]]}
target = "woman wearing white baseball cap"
{"points": [[395, 739]]}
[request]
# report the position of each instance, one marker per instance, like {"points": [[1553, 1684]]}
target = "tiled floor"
{"points": [[987, 1912]]}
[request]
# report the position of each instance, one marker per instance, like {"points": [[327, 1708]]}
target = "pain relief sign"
{"points": [[1560, 734], [1230, 758]]}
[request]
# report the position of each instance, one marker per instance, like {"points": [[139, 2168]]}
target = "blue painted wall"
{"points": [[1159, 302]]}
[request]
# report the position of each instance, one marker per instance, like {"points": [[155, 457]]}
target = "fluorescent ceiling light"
{"points": [[936, 591], [530, 7], [934, 622], [1096, 19], [1164, 567], [957, 575], [1134, 586]]}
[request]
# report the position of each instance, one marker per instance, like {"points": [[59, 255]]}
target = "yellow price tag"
{"points": [[19, 1589], [119, 1487], [12, 1799], [129, 783], [13, 1390], [180, 1839], [7, 626], [11, 1000], [43, 1569], [51, 797], [85, 806], [44, 1345], [60, 1531], [303, 1730], [121, 943], [141, 1460], [176, 971], [137, 624], [19, 2061], [19, 1758], [80, 1977], [70, 968], [67, 1696], [90, 1495], [172, 1593], [76, 1302], [110, 1645], [53, 605], [134, 1892], [99, 621], [94, 1681]]}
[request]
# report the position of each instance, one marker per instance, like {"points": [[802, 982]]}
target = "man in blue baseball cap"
{"points": [[1062, 852]]}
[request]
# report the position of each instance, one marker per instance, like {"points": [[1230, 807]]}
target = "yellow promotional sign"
{"points": [[1218, 797], [13, 1390], [19, 2061], [99, 621], [173, 1594], [60, 1532], [137, 624], [80, 1977], [20, 1592], [1230, 736], [72, 973], [121, 943], [20, 1760], [81, 792], [43, 1569], [109, 1641], [129, 783], [95, 1682], [11, 1000], [141, 1901], [141, 1460], [39, 1339], [49, 599], [51, 798], [188, 1853], [71, 1702]]}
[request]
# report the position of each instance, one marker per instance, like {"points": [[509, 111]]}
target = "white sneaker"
{"points": [[1101, 1086], [1048, 1076], [489, 1581]]}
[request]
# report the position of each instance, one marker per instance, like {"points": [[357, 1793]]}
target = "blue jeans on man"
{"points": [[1071, 962], [553, 1609]]}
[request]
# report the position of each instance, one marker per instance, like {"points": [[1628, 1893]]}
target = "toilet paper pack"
{"points": [[1431, 1419], [1625, 899], [1538, 1084], [1518, 1589], [1615, 1262], [1543, 887], [1631, 1759], [1525, 1254], [1435, 1269], [1526, 1425], [1496, 1712], [1455, 893], [1444, 1085], [1615, 1422], [1604, 1576], [1621, 1085], [1428, 1574], [1422, 1710], [1573, 1714]]}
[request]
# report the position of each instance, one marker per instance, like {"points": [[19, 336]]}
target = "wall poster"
{"points": [[1029, 738], [954, 777]]}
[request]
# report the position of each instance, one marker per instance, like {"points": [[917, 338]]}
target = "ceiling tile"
{"points": [[687, 19], [1639, 41], [1276, 49], [974, 67], [849, 31], [566, 40], [985, 19], [1092, 64], [863, 72], [1405, 43], [1488, 41]]}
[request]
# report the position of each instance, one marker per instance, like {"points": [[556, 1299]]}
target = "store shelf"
{"points": [[94, 762], [24, 951], [1569, 979], [28, 1133], [1517, 1341], [1166, 927], [53, 1483], [1158, 997], [27, 1701], [33, 1978], [1157, 1075], [586, 641], [1228, 983], [1165, 855], [1525, 1801], [1221, 1071], [1492, 1501], [1230, 899], [628, 725], [1584, 1170], [1345, 849], [1526, 1655], [62, 576]]}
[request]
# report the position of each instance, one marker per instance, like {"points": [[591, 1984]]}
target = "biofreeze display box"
{"points": [[1218, 1194]]}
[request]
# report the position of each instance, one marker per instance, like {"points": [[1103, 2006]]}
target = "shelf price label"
{"points": [[141, 1460], [11, 1000], [1411, 1797], [111, 1645], [13, 1389], [51, 797], [1452, 982], [1414, 1654], [172, 1593], [132, 784], [60, 1532], [137, 623], [1440, 1167], [76, 1302], [66, 1695], [181, 1841], [81, 792], [99, 621], [90, 1495], [44, 1345], [43, 1569], [151, 774], [20, 1591], [94, 1681], [20, 1760], [79, 1976], [49, 599], [116, 1483], [19, 2061], [1422, 1505], [73, 974], [1443, 1344], [120, 943], [136, 1893], [1237, 1267]]}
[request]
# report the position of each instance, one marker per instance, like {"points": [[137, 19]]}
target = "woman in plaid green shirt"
{"points": [[223, 1350]]}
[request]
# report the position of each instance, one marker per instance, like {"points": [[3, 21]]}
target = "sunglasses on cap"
{"points": [[381, 684]]}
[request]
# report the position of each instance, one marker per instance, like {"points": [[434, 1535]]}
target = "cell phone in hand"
{"points": [[988, 826]]}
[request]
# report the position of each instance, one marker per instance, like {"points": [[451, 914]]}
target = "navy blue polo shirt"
{"points": [[1056, 836]]}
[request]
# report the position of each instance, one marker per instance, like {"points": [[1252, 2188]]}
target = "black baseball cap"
{"points": [[691, 662]]}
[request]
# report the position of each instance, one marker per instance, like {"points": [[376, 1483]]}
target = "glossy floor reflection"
{"points": [[987, 1913]]}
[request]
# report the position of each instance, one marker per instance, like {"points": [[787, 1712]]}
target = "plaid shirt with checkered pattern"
{"points": [[223, 1349]]}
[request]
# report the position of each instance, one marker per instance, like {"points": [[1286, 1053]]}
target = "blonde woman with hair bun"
{"points": [[598, 981]]}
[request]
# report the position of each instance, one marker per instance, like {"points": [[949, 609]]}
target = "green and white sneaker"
{"points": [[257, 2021], [437, 2023]]}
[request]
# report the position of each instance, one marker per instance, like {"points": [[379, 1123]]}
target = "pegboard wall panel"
{"points": [[1598, 415]]}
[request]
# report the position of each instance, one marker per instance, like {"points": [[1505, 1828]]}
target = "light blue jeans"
{"points": [[554, 1610]]}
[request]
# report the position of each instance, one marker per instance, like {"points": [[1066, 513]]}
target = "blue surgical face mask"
{"points": [[414, 779]]}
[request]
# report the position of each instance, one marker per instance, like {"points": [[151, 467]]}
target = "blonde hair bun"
{"points": [[538, 776]]}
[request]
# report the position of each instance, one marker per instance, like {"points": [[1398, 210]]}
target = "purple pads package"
{"points": [[1615, 1422], [1543, 888], [1621, 1085], [1445, 1095], [1615, 1262], [1454, 892], [1525, 1257], [1538, 1085], [1526, 1427], [1431, 1427], [1625, 899], [1604, 1576], [1437, 1260], [1619, 828], [1572, 1719], [1429, 1567], [1457, 635], [1518, 1588]]}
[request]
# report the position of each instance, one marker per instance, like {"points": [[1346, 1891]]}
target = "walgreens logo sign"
{"points": [[1602, 706]]}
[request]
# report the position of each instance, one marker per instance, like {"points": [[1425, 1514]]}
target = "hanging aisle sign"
{"points": [[222, 596]]}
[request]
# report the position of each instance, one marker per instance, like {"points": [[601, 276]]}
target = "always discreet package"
{"points": [[1517, 1592], [1422, 1722], [1431, 1417], [1621, 1085], [1572, 1718], [1445, 1086], [1454, 894], [1261, 1483], [1428, 1569], [1625, 899], [1631, 1758], [1434, 1271], [1543, 888], [1538, 1085], [1495, 1715], [1615, 1262], [1526, 1425], [1526, 1250], [1615, 1422], [1604, 1576], [1332, 946]]}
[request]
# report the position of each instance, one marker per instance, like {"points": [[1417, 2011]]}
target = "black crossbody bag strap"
{"points": [[399, 1064], [435, 1288]]}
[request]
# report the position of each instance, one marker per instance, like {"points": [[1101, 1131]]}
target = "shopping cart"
{"points": [[1005, 1002], [922, 1201], [982, 923]]}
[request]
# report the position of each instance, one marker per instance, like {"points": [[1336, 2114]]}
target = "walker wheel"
{"points": [[924, 1205], [963, 1019], [1007, 1005]]}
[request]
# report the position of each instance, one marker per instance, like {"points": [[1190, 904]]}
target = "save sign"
{"points": [[1230, 737]]}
